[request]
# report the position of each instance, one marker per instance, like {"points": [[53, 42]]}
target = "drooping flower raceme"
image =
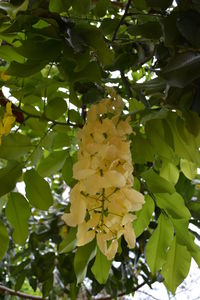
{"points": [[8, 120], [103, 201]]}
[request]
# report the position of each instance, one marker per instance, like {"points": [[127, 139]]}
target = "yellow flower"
{"points": [[7, 122], [103, 201]]}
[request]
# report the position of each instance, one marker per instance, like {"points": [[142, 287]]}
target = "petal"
{"points": [[128, 218], [129, 235], [101, 242], [113, 178], [136, 198], [77, 209], [83, 235], [112, 250]]}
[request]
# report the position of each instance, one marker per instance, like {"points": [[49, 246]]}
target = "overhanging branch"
{"points": [[4, 289], [122, 20]]}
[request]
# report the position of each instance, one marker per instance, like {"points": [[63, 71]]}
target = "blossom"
{"points": [[7, 122], [103, 202]]}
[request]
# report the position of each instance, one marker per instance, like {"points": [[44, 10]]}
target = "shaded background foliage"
{"points": [[59, 56]]}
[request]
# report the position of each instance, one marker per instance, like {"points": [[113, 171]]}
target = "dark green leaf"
{"points": [[27, 69], [40, 50], [52, 163], [56, 108], [4, 240], [9, 54], [69, 242], [150, 30], [101, 267], [157, 4], [67, 171], [82, 258], [81, 7], [182, 69], [189, 26], [9, 176], [59, 6], [37, 190], [18, 213], [15, 146], [101, 7]]}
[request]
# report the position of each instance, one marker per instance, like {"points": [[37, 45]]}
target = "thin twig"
{"points": [[124, 293], [67, 123], [5, 289], [147, 294], [122, 20], [126, 84]]}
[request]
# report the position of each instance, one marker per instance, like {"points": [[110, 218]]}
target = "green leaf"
{"points": [[157, 184], [188, 168], [101, 7], [143, 150], [67, 171], [29, 68], [81, 7], [101, 267], [18, 213], [9, 54], [14, 146], [4, 240], [9, 176], [185, 144], [177, 266], [182, 69], [169, 172], [155, 130], [108, 25], [82, 258], [189, 26], [46, 50], [91, 73], [184, 237], [13, 10], [140, 4], [157, 4], [56, 108], [59, 6], [38, 191], [149, 30], [173, 204], [52, 163], [156, 247], [69, 243], [144, 216], [94, 38]]}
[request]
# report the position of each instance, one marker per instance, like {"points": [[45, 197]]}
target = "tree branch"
{"points": [[5, 289], [122, 20], [67, 123], [147, 294], [124, 293], [126, 84]]}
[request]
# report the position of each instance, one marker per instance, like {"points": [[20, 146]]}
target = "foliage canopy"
{"points": [[56, 57]]}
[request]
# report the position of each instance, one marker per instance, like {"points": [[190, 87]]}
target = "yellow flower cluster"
{"points": [[8, 120], [103, 201]]}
